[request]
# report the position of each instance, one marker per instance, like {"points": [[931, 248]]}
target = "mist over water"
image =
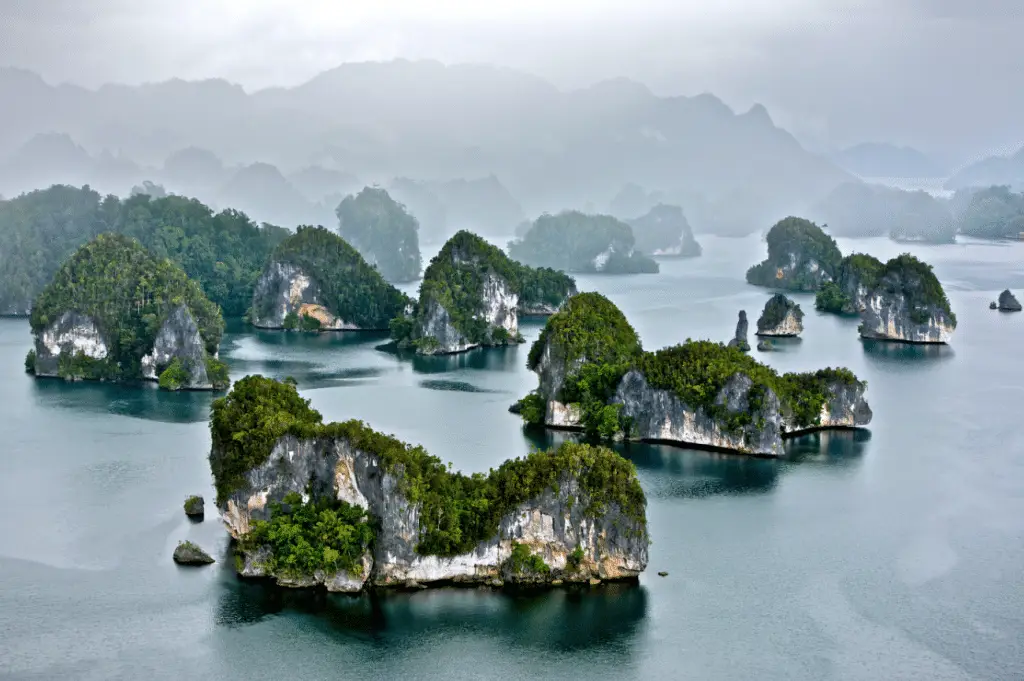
{"points": [[893, 552]]}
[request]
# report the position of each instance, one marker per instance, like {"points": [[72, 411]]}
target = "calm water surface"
{"points": [[895, 553]]}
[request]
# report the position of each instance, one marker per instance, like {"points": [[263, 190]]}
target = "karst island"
{"points": [[342, 506]]}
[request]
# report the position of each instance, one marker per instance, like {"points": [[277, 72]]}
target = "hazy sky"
{"points": [[942, 74]]}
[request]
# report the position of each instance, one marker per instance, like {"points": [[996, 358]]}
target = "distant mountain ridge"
{"points": [[552, 149], [991, 171], [874, 159]]}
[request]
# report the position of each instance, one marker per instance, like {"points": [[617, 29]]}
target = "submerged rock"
{"points": [[188, 553], [908, 305], [740, 339], [765, 345], [1008, 303], [554, 523], [781, 317]]}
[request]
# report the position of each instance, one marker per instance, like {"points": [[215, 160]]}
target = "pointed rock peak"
{"points": [[760, 114]]}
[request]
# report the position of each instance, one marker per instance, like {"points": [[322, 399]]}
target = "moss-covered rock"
{"points": [[187, 553], [801, 257], [195, 506], [114, 312], [780, 317]]}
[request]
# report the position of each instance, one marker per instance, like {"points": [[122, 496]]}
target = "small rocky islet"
{"points": [[780, 317], [1007, 302], [594, 376], [398, 516]]}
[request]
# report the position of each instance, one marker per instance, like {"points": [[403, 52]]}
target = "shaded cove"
{"points": [[892, 553]]}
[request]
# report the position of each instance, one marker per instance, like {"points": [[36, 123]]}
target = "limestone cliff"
{"points": [[472, 295], [907, 305], [283, 291], [801, 257], [179, 339], [780, 317], [577, 531], [593, 376], [739, 339], [111, 290], [315, 281]]}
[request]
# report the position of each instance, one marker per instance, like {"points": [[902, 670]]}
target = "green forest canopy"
{"points": [[800, 238], [224, 252], [382, 231], [129, 293], [457, 511], [350, 287]]}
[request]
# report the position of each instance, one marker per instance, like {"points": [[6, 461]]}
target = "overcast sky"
{"points": [[944, 75]]}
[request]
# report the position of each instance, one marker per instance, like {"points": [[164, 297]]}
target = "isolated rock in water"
{"points": [[908, 305], [742, 327], [315, 280], [993, 305], [194, 506], [188, 553], [1007, 303], [575, 512], [781, 317], [765, 346]]}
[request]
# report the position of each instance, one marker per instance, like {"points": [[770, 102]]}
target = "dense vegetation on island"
{"points": [[994, 213], [383, 232], [857, 273], [801, 257], [455, 278], [572, 241], [913, 279], [457, 511], [775, 312], [128, 293], [349, 286], [664, 230], [595, 343], [224, 252]]}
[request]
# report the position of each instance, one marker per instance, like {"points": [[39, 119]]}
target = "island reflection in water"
{"points": [[890, 353], [561, 619], [669, 471]]}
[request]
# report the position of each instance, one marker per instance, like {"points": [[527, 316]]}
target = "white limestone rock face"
{"points": [[780, 317], [179, 338], [887, 316], [70, 334], [552, 525], [659, 415], [498, 309], [544, 309], [284, 288]]}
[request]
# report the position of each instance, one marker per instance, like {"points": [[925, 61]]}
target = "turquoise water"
{"points": [[893, 553]]}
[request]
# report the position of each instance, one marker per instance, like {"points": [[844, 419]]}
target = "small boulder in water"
{"points": [[194, 506], [188, 553], [993, 305], [740, 341], [1008, 303], [765, 346]]}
